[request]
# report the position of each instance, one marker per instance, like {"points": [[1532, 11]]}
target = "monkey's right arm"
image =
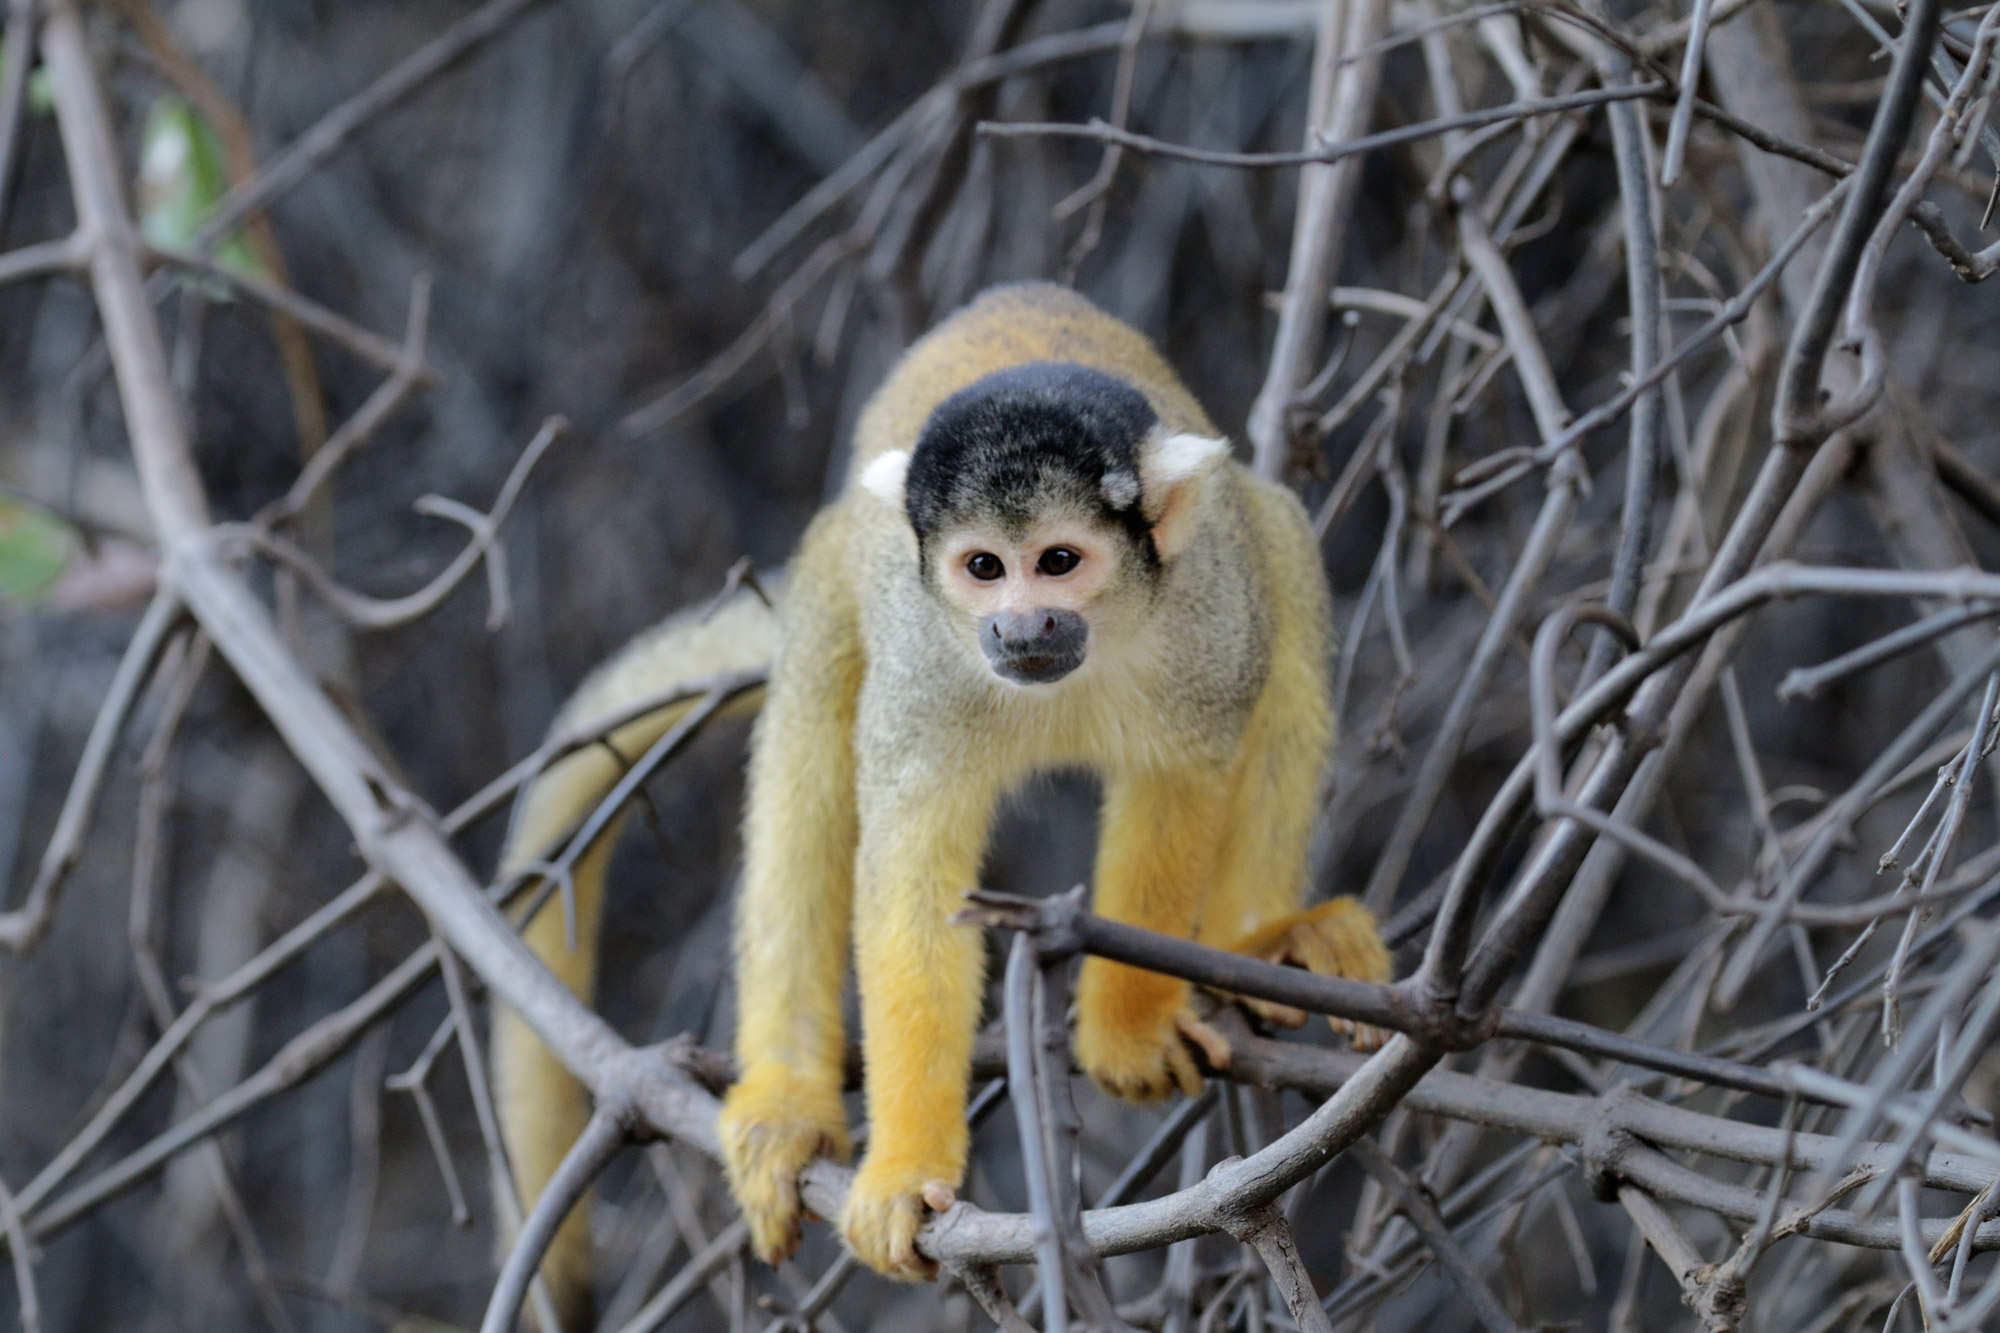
{"points": [[793, 922]]}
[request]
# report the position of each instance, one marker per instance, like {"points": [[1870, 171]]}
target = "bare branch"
{"points": [[375, 613], [606, 1133], [32, 261], [1336, 151], [22, 1251], [343, 122], [700, 1267], [1341, 101], [23, 927]]}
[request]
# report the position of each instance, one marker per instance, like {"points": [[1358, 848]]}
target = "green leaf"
{"points": [[181, 179], [34, 550], [41, 97]]}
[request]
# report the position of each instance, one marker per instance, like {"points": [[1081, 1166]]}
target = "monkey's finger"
{"points": [[1340, 939], [1180, 1066], [774, 1232], [1277, 1015], [1362, 1036], [1326, 955], [1214, 1046], [940, 1196], [880, 1225]]}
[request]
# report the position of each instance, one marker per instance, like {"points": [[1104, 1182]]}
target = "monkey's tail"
{"points": [[541, 1106]]}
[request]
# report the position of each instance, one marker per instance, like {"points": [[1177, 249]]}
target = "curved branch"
{"points": [[1794, 420], [23, 928], [593, 1150], [406, 372], [376, 613]]}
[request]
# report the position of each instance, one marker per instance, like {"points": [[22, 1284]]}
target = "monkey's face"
{"points": [[1031, 594], [1046, 500]]}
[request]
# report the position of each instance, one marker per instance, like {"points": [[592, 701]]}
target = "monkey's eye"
{"points": [[984, 566], [1058, 561]]}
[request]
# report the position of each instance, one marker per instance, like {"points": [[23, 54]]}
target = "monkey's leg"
{"points": [[1254, 908], [921, 985], [793, 917], [1156, 858]]}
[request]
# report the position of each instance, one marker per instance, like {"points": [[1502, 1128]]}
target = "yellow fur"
{"points": [[1157, 860], [793, 918], [1200, 837], [873, 781]]}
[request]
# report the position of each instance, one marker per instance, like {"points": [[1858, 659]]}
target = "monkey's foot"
{"points": [[1335, 939], [772, 1124], [1214, 1046], [1132, 1034], [886, 1207]]}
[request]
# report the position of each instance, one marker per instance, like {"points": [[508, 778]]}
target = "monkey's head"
{"points": [[1047, 501]]}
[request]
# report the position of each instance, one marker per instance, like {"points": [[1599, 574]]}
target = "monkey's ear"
{"points": [[883, 477], [1171, 470]]}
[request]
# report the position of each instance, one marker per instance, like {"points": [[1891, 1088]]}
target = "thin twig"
{"points": [[22, 1252], [286, 169], [1336, 151], [24, 927], [406, 373], [379, 613], [1416, 1204], [1341, 100], [67, 255]]}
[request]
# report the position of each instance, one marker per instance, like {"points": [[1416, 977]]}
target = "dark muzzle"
{"points": [[1034, 647]]}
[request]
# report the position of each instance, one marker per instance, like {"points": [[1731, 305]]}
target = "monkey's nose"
{"points": [[1034, 647]]}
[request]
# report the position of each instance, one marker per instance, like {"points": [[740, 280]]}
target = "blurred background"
{"points": [[582, 206]]}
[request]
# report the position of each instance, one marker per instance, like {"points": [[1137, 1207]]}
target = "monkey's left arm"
{"points": [[921, 984], [1261, 875], [1161, 830]]}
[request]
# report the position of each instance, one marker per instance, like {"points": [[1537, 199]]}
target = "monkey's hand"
{"points": [[1132, 1032], [886, 1207], [773, 1122], [1338, 938]]}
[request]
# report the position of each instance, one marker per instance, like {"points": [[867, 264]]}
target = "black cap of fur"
{"points": [[1014, 443]]}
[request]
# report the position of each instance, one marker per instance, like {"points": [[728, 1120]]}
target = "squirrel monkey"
{"points": [[1044, 558]]}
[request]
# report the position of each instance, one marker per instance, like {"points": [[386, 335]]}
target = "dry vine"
{"points": [[1787, 1099]]}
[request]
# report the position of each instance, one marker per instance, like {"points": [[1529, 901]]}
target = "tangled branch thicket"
{"points": [[1622, 356]]}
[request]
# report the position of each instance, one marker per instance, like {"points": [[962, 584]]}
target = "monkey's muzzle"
{"points": [[1034, 647]]}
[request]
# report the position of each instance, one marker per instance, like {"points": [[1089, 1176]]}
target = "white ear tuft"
{"points": [[1179, 458], [883, 477], [1172, 470]]}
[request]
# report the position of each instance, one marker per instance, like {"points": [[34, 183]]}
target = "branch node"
{"points": [[1605, 1144]]}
